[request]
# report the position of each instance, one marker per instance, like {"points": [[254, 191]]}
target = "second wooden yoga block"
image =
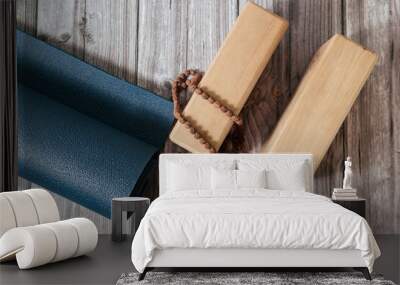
{"points": [[323, 99], [231, 77]]}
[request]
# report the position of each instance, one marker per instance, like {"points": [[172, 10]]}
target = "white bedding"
{"points": [[251, 218]]}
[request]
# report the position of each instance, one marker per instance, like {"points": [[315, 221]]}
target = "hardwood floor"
{"points": [[110, 260]]}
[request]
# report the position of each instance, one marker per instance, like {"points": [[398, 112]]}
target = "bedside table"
{"points": [[135, 205], [358, 205]]}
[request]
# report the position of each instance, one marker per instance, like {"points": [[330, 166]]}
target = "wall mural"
{"points": [[149, 42]]}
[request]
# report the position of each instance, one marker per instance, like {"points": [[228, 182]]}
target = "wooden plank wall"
{"points": [[147, 42]]}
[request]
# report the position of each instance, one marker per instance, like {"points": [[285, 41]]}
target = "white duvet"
{"points": [[253, 218]]}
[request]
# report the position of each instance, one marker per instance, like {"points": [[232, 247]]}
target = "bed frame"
{"points": [[246, 259], [249, 259]]}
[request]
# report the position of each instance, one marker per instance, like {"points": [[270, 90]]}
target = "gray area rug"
{"points": [[269, 278]]}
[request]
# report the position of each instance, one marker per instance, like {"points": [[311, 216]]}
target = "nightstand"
{"points": [[135, 205], [358, 205]]}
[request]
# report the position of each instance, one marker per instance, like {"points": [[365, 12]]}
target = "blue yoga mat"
{"points": [[83, 133]]}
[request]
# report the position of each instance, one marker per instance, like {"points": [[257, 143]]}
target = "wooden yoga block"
{"points": [[323, 99], [231, 76]]}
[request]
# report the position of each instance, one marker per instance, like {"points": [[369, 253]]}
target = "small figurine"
{"points": [[348, 174]]}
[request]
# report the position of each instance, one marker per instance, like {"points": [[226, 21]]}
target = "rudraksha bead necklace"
{"points": [[189, 79]]}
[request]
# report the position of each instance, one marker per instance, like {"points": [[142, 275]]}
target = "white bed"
{"points": [[218, 225]]}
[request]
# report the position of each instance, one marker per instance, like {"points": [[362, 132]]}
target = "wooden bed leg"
{"points": [[143, 274], [364, 271]]}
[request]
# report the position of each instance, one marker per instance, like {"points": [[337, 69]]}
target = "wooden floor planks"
{"points": [[149, 41]]}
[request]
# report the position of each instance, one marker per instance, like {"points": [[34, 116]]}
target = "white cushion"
{"points": [[236, 179], [45, 205], [291, 179], [186, 176], [26, 208], [23, 208], [281, 174], [267, 161], [223, 179], [251, 178], [66, 237], [87, 233], [40, 244], [32, 246], [7, 218]]}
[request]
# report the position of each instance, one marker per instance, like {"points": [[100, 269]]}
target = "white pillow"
{"points": [[183, 177], [251, 178], [188, 176], [280, 174], [292, 179], [223, 179], [236, 179]]}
